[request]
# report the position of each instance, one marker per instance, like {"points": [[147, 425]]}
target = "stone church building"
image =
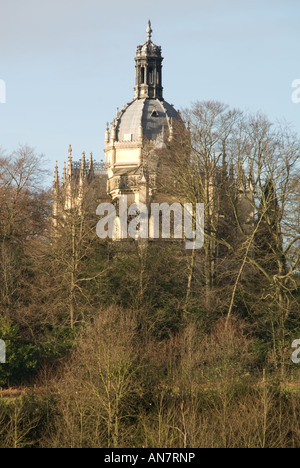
{"points": [[132, 140], [147, 118]]}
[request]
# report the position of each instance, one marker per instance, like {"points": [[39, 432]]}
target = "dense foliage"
{"points": [[148, 344]]}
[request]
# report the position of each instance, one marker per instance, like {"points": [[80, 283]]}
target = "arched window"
{"points": [[158, 79], [142, 75], [151, 76]]}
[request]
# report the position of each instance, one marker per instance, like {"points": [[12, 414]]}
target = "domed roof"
{"points": [[148, 114], [144, 117]]}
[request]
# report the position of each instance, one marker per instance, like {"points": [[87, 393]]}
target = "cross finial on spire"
{"points": [[149, 31]]}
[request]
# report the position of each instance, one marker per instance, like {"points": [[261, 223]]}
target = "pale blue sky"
{"points": [[68, 64]]}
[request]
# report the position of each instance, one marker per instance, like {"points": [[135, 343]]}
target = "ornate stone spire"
{"points": [[69, 172], [64, 177], [113, 131], [148, 79], [149, 31], [91, 164], [56, 178], [82, 169], [107, 135], [90, 172]]}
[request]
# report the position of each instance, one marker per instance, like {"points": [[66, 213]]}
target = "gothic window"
{"points": [[158, 78], [151, 76], [142, 75]]}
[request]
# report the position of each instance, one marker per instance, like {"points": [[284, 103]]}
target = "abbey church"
{"points": [[132, 141], [147, 118]]}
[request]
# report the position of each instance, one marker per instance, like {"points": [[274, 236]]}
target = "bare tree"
{"points": [[99, 385]]}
